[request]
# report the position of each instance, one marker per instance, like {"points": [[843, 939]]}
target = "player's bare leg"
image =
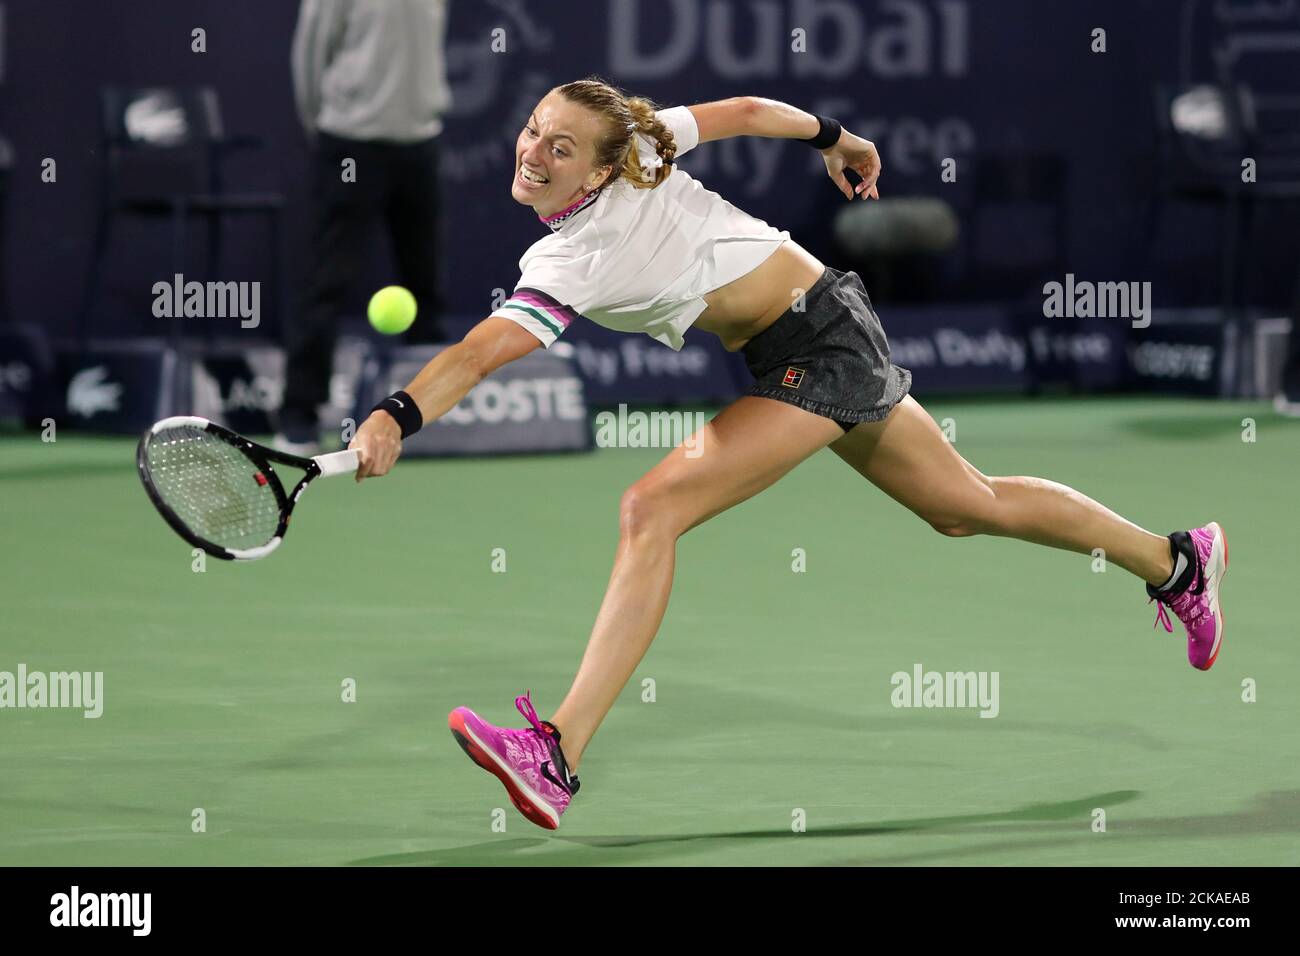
{"points": [[745, 448], [907, 457]]}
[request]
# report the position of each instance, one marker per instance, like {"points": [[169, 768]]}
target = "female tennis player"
{"points": [[637, 245]]}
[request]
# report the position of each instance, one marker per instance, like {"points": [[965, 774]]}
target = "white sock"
{"points": [[1179, 567]]}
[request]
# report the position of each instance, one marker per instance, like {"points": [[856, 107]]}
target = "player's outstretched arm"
{"points": [[439, 386], [756, 116]]}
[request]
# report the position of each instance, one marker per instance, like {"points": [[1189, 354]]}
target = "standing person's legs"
{"points": [[907, 457], [1287, 401], [412, 213], [745, 448], [341, 214]]}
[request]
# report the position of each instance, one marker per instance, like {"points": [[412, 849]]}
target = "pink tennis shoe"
{"points": [[1197, 603], [528, 762]]}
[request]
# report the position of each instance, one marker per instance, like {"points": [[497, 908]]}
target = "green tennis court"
{"points": [[223, 690]]}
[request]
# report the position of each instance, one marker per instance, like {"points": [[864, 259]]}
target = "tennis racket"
{"points": [[219, 491]]}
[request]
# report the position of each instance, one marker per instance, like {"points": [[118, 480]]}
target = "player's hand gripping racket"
{"points": [[218, 489]]}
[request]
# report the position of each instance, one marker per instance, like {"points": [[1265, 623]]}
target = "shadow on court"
{"points": [[1212, 421], [508, 851], [1275, 812]]}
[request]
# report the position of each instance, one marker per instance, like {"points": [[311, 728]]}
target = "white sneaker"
{"points": [[1284, 406], [303, 449]]}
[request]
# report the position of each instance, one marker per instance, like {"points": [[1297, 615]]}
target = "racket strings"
{"points": [[213, 488]]}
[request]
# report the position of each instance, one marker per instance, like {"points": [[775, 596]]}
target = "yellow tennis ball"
{"points": [[391, 310]]}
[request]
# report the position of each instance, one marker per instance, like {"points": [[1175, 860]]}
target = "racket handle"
{"points": [[337, 463]]}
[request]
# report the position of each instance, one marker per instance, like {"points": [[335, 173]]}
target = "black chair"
{"points": [[163, 149], [1203, 132], [1016, 235], [1017, 226]]}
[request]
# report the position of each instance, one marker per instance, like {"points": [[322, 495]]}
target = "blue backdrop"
{"points": [[926, 79]]}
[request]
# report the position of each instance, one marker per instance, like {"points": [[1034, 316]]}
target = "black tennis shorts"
{"points": [[831, 358]]}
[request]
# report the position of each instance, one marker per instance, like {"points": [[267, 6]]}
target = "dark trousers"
{"points": [[396, 184]]}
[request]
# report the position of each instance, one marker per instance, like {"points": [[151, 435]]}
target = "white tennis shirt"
{"points": [[638, 260]]}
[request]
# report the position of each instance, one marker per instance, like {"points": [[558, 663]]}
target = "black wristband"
{"points": [[404, 411], [828, 133]]}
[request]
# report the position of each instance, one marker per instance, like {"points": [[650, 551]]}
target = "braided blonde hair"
{"points": [[624, 116]]}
